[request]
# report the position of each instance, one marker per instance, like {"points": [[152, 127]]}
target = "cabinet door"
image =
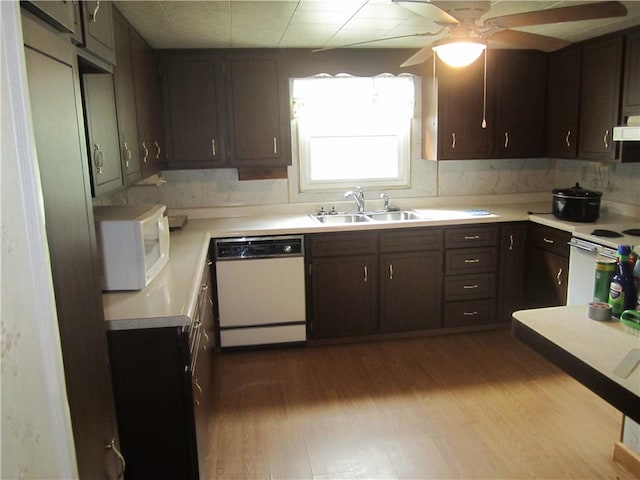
{"points": [[259, 113], [146, 83], [58, 13], [102, 129], [460, 112], [513, 247], [631, 89], [546, 279], [345, 296], [125, 101], [600, 97], [154, 402], [410, 291], [563, 103], [97, 19], [194, 113], [60, 142], [520, 92]]}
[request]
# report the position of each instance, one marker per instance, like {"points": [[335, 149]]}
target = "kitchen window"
{"points": [[353, 130]]}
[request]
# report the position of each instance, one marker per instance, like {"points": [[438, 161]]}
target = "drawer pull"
{"points": [[471, 260], [469, 314], [470, 287], [547, 240], [472, 237]]}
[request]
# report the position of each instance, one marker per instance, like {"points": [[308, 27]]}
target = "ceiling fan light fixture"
{"points": [[459, 53]]}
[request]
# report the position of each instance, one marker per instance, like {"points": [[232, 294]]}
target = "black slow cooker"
{"points": [[576, 204]]}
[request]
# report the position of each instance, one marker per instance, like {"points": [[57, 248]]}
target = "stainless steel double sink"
{"points": [[389, 216]]}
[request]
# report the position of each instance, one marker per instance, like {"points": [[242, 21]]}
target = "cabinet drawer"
{"points": [[474, 312], [332, 244], [472, 260], [467, 287], [411, 239], [471, 236], [550, 239]]}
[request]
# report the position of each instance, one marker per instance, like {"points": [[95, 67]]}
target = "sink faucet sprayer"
{"points": [[358, 196]]}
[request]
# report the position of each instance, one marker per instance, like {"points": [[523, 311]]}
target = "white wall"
{"points": [[37, 439]]}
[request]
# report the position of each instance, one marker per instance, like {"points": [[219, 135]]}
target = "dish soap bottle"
{"points": [[622, 292]]}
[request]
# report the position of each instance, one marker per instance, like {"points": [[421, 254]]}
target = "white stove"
{"points": [[610, 235], [589, 244]]}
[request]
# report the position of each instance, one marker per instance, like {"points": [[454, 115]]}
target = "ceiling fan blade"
{"points": [[589, 11], [428, 10], [420, 56], [365, 42], [528, 40]]}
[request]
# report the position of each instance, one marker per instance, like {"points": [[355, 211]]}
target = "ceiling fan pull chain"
{"points": [[484, 92], [435, 87]]}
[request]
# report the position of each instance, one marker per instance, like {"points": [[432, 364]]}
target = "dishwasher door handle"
{"points": [[587, 247]]}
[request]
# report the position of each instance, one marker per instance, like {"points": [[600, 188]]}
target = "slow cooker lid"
{"points": [[576, 192]]}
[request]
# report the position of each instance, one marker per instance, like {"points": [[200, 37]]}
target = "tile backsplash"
{"points": [[221, 187]]}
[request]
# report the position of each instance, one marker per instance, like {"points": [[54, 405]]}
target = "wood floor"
{"points": [[478, 405]]}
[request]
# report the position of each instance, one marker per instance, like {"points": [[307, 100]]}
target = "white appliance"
{"points": [[133, 244], [261, 290], [587, 245]]}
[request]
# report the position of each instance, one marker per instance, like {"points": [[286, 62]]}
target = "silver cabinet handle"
{"points": [[127, 154], [275, 145], [472, 237], [470, 287], [506, 139], [94, 15], [453, 140], [98, 158], [198, 386], [112, 446], [146, 152], [547, 240], [366, 274], [511, 242], [157, 145], [470, 314], [390, 271], [213, 147], [559, 277], [605, 139], [471, 260], [206, 337], [566, 139]]}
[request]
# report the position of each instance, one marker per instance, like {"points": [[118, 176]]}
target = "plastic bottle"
{"points": [[622, 295]]}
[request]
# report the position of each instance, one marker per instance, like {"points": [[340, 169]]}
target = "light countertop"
{"points": [[169, 300], [587, 349]]}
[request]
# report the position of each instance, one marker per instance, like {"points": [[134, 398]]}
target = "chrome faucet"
{"points": [[358, 196], [385, 199]]}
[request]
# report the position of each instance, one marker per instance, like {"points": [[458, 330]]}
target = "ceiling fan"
{"points": [[462, 32]]}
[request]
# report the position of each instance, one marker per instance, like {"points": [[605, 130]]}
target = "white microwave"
{"points": [[133, 244]]}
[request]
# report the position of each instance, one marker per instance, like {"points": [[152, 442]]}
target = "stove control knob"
{"points": [[288, 249]]}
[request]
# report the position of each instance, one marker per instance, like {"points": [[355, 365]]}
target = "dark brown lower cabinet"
{"points": [[410, 291], [547, 267], [513, 249], [163, 389], [345, 290]]}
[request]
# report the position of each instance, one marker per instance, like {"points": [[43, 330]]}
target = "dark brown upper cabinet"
{"points": [[146, 82], [58, 13], [194, 110], [125, 101], [513, 107], [460, 112], [97, 21], [600, 97], [631, 85], [519, 86], [258, 111], [563, 102]]}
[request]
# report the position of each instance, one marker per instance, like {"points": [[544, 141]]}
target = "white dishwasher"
{"points": [[261, 290]]}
